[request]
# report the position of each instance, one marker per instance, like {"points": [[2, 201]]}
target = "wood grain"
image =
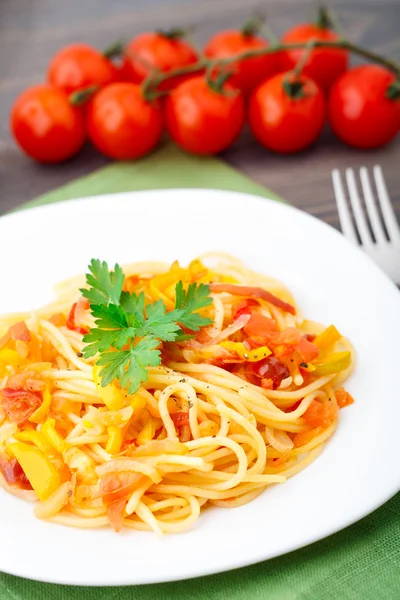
{"points": [[32, 30]]}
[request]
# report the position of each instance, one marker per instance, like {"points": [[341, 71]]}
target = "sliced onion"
{"points": [[206, 353], [128, 464], [231, 329], [55, 503], [278, 439], [158, 447]]}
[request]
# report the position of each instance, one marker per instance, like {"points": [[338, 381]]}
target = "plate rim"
{"points": [[240, 562]]}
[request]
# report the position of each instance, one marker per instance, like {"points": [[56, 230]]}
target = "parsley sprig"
{"points": [[127, 333]]}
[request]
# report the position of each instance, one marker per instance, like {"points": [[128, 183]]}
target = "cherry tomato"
{"points": [[201, 120], [360, 113], [287, 114], [46, 125], [156, 51], [121, 123], [247, 73], [78, 66], [324, 65]]}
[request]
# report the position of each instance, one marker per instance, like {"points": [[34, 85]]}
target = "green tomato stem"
{"points": [[154, 80]]}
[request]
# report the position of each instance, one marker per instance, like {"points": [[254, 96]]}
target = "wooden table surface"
{"points": [[32, 30]]}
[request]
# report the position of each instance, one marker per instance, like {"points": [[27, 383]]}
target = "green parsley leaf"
{"points": [[133, 303], [113, 328], [196, 297], [160, 323], [129, 366], [105, 286], [122, 317]]}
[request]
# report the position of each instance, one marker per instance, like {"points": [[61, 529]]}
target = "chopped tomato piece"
{"points": [[116, 489], [307, 349], [181, 422], [115, 486], [267, 384], [125, 445], [58, 319], [18, 331], [180, 418], [310, 337], [289, 337], [20, 404], [115, 514], [253, 292], [260, 326], [75, 314], [343, 398], [242, 307], [271, 371], [321, 414], [305, 437], [13, 473]]}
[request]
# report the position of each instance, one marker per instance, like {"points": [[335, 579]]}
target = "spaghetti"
{"points": [[244, 403]]}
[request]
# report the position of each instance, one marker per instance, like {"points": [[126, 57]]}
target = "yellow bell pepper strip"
{"points": [[333, 363], [138, 403], [10, 357], [48, 430], [160, 283], [114, 439], [34, 437], [198, 271], [147, 433], [112, 397], [39, 415], [328, 337], [41, 473], [248, 355]]}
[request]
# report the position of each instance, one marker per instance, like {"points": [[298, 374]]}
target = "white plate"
{"points": [[333, 283]]}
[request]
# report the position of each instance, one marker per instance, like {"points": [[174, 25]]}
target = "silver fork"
{"points": [[383, 247]]}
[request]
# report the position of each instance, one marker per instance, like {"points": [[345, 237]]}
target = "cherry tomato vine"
{"points": [[286, 89]]}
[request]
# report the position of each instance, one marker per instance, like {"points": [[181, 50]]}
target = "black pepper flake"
{"points": [[182, 381], [79, 354], [303, 364]]}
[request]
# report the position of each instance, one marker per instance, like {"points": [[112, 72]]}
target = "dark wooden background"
{"points": [[32, 30]]}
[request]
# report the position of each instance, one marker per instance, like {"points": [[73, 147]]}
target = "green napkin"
{"points": [[361, 562], [167, 168]]}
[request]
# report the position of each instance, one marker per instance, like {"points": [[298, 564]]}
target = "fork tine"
{"points": [[372, 210], [389, 217], [358, 212], [344, 214]]}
